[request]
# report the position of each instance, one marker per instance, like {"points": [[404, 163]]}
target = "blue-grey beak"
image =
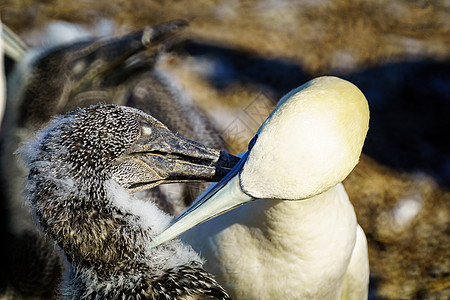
{"points": [[220, 198]]}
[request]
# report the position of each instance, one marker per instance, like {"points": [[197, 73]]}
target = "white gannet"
{"points": [[300, 239], [82, 168]]}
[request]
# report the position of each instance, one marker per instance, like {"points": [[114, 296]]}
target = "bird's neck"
{"points": [[99, 225], [308, 241], [86, 224], [326, 221], [104, 232], [297, 224]]}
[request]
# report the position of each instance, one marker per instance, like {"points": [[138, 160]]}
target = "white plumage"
{"points": [[310, 247]]}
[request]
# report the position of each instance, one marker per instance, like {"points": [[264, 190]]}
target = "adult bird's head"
{"points": [[309, 143]]}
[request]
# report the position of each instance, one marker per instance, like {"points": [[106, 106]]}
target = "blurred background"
{"points": [[241, 56]]}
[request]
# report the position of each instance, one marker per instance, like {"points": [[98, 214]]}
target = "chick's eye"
{"points": [[146, 130]]}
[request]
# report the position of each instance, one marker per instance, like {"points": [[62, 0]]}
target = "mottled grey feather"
{"points": [[71, 166], [52, 82]]}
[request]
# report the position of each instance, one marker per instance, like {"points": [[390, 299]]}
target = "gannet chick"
{"points": [[301, 239], [82, 168]]}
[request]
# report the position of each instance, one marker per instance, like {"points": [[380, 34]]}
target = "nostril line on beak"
{"points": [[176, 156]]}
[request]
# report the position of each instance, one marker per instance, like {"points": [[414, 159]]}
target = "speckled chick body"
{"points": [[103, 230]]}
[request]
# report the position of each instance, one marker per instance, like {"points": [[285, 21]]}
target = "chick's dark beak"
{"points": [[165, 157]]}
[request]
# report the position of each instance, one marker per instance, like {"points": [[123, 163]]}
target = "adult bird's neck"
{"points": [[285, 225], [292, 239], [316, 221]]}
